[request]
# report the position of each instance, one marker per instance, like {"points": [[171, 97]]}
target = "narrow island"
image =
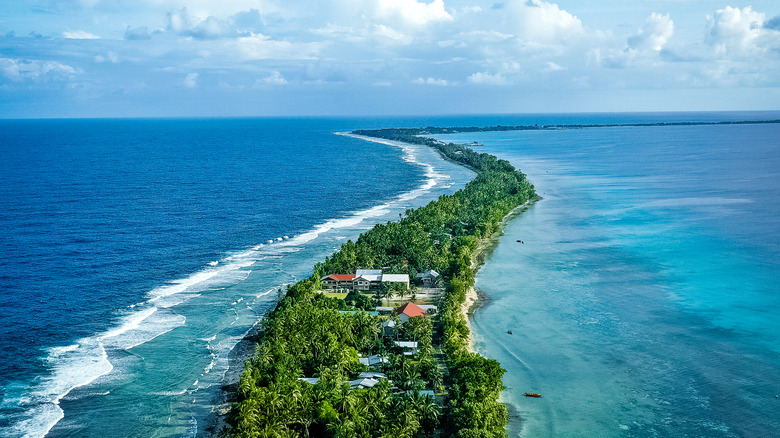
{"points": [[376, 342]]}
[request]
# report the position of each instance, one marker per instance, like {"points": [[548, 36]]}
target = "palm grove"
{"points": [[307, 336]]}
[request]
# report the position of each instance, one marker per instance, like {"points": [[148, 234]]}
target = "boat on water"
{"points": [[509, 331], [533, 394]]}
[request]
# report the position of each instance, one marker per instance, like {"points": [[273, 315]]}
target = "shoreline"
{"points": [[215, 421], [484, 248], [469, 217]]}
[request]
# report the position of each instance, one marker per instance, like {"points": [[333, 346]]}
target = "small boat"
{"points": [[533, 394], [509, 331]]}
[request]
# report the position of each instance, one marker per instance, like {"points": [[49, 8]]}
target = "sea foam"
{"points": [[82, 363]]}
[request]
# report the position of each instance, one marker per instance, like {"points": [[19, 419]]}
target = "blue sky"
{"points": [[150, 58]]}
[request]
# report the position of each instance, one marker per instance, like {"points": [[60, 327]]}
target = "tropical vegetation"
{"points": [[310, 335]]}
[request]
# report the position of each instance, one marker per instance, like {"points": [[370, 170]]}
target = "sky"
{"points": [[176, 58]]}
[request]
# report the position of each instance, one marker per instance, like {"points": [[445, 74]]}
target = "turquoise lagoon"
{"points": [[644, 298]]}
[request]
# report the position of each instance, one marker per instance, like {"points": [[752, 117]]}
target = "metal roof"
{"points": [[368, 272], [399, 278]]}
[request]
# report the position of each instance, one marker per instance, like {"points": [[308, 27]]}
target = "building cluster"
{"points": [[372, 279], [368, 379], [363, 279]]}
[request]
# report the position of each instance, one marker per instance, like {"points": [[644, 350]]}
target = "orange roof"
{"points": [[341, 277], [411, 310]]}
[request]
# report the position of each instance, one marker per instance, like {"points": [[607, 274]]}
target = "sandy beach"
{"points": [[484, 247]]}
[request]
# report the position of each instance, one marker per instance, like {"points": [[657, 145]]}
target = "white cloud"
{"points": [[182, 23], [35, 70], [258, 46], [79, 35], [191, 80], [431, 81], [391, 34], [484, 78], [108, 57], [738, 32], [655, 33], [641, 49], [185, 23], [406, 44], [546, 23], [551, 66], [137, 33], [275, 79], [413, 12]]}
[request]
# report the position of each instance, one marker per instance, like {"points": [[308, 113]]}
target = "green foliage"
{"points": [[306, 335]]}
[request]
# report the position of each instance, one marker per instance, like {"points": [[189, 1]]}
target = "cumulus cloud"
{"points": [[654, 34], [642, 48], [544, 22], [257, 46], [137, 33], [406, 44], [35, 70], [413, 12], [734, 31], [183, 23], [431, 81], [111, 57], [275, 78], [79, 35], [484, 78], [551, 66], [391, 34], [180, 22], [190, 81]]}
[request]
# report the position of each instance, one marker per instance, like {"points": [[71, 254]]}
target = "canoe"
{"points": [[533, 394]]}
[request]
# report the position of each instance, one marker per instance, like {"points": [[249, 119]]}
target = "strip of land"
{"points": [[345, 353]]}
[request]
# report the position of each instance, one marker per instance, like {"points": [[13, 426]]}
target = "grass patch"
{"points": [[338, 295]]}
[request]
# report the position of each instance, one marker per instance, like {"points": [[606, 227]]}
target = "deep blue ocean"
{"points": [[137, 253]]}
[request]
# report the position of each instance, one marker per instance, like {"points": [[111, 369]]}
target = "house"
{"points": [[406, 344], [373, 360], [364, 279], [428, 278], [362, 383], [396, 278], [372, 375], [337, 281], [368, 272], [409, 347], [388, 328], [429, 308], [409, 310]]}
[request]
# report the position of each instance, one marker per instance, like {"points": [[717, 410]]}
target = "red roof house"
{"points": [[337, 281], [409, 310]]}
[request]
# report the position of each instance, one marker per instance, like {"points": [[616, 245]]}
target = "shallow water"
{"points": [[643, 300]]}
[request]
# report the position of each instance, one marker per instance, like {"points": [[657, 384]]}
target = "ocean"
{"points": [[137, 253], [643, 300]]}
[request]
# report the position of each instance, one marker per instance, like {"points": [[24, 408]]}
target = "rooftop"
{"points": [[340, 277], [411, 310]]}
